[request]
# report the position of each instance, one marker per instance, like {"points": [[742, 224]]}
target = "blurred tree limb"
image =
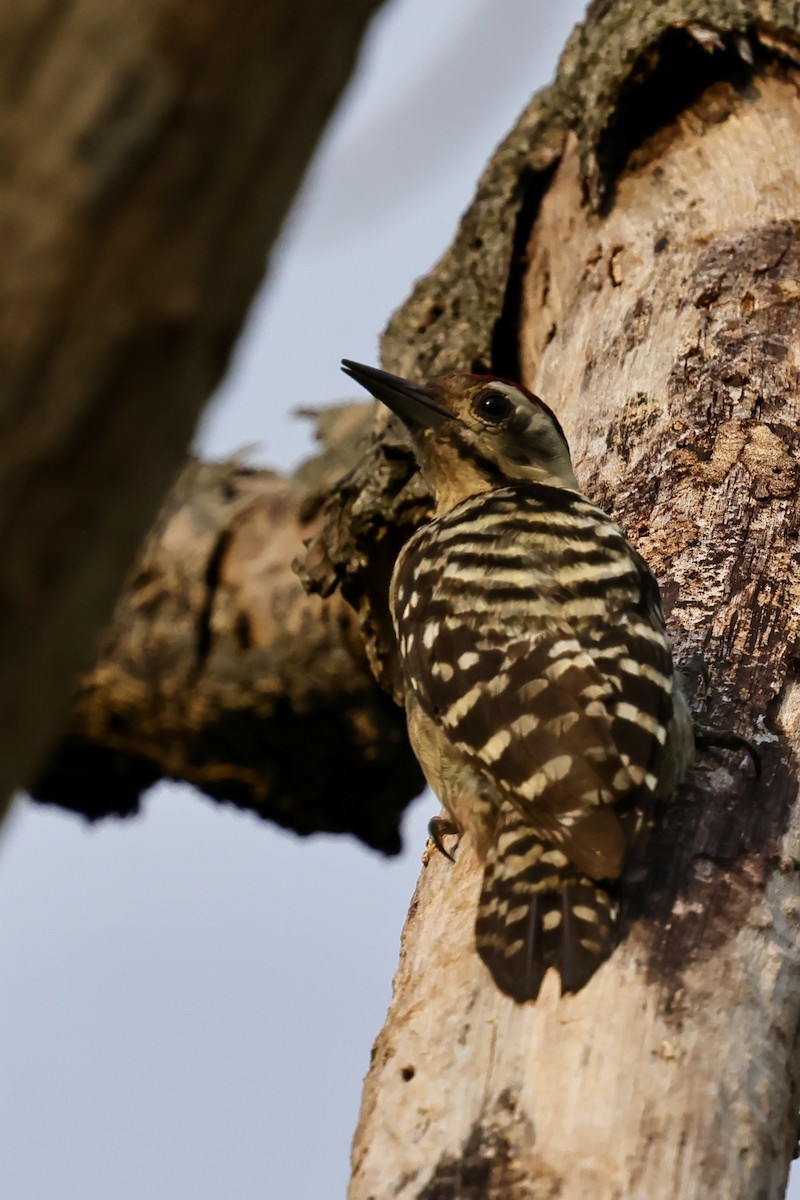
{"points": [[219, 669], [149, 154]]}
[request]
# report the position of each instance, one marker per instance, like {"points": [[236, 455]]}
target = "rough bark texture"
{"points": [[220, 670], [149, 152], [625, 74], [633, 251]]}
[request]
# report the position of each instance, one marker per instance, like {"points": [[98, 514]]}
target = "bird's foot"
{"points": [[706, 737], [440, 827]]}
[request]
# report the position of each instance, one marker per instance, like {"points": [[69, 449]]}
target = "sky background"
{"points": [[189, 999]]}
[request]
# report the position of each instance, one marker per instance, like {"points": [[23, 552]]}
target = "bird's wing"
{"points": [[561, 702]]}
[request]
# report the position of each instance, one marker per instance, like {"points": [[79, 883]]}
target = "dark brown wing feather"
{"points": [[532, 634], [534, 914], [547, 705]]}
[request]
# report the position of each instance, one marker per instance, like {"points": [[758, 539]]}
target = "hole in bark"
{"points": [[666, 80], [431, 317], [505, 336], [212, 576], [243, 631], [408, 1074]]}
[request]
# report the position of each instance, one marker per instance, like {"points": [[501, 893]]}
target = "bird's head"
{"points": [[472, 433]]}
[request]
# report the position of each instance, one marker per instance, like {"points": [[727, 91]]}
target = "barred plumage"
{"points": [[540, 693]]}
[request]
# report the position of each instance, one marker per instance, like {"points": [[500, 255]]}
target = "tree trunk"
{"points": [[149, 152], [652, 300]]}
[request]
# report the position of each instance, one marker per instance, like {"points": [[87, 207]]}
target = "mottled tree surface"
{"points": [[149, 153], [632, 254], [219, 669], [638, 269]]}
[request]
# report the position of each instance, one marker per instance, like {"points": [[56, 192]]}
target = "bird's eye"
{"points": [[492, 406]]}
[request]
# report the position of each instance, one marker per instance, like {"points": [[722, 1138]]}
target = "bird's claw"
{"points": [[440, 827], [707, 737]]}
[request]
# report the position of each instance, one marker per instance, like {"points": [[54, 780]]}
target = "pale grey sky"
{"points": [[189, 999]]}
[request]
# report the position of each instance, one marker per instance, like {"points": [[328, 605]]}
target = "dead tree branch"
{"points": [[220, 670]]}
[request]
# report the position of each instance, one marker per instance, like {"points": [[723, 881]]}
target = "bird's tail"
{"points": [[536, 911]]}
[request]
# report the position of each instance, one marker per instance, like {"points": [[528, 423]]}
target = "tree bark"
{"points": [[218, 669], [149, 153], [644, 217]]}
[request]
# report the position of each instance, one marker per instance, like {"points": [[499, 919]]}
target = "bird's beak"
{"points": [[412, 402]]}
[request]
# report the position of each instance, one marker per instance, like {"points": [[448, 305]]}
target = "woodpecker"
{"points": [[541, 698]]}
